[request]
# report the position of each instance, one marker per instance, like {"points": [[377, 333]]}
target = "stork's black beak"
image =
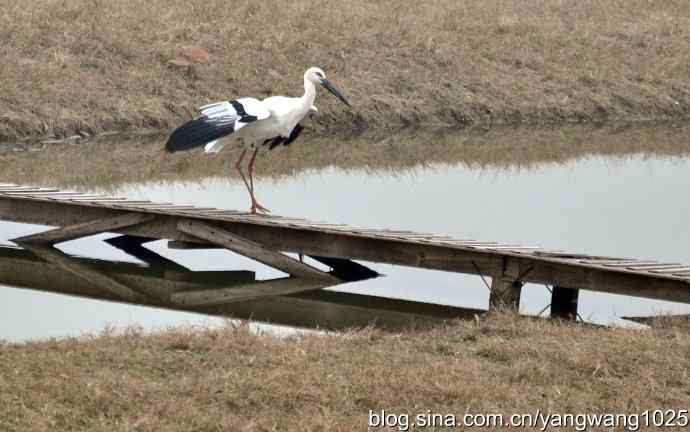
{"points": [[333, 89]]}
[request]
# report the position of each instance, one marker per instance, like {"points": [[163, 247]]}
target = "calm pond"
{"points": [[607, 191]]}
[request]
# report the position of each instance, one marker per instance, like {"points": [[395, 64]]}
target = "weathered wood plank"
{"points": [[247, 291], [252, 250], [97, 199], [127, 202], [505, 288], [627, 263], [502, 247], [72, 232], [47, 194], [649, 267], [82, 270], [674, 270], [217, 278], [183, 245], [26, 190]]}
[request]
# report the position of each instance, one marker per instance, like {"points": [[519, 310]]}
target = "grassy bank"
{"points": [[231, 379], [93, 65]]}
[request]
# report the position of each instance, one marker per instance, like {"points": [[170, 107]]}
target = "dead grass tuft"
{"points": [[217, 379]]}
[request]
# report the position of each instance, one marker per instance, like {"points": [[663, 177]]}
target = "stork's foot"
{"points": [[258, 208]]}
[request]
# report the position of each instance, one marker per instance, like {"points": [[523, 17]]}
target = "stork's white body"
{"points": [[277, 116]]}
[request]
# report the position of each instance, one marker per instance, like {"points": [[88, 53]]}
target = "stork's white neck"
{"points": [[309, 94]]}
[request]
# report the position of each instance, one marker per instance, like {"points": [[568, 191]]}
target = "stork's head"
{"points": [[317, 76]]}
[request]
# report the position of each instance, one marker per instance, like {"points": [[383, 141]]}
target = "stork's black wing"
{"points": [[217, 120], [200, 131], [296, 131]]}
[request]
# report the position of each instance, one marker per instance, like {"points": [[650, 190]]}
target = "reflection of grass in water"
{"points": [[108, 164]]}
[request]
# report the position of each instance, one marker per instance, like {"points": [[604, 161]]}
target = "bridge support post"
{"points": [[564, 303], [505, 287]]}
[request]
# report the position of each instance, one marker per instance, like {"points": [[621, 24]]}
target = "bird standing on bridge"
{"points": [[258, 123]]}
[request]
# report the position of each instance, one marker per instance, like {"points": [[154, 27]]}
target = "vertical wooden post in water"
{"points": [[505, 288], [564, 303]]}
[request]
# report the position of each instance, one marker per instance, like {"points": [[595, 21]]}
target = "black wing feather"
{"points": [[294, 134], [286, 141], [198, 132], [275, 142]]}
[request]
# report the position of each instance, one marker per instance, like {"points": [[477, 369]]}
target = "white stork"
{"points": [[257, 123]]}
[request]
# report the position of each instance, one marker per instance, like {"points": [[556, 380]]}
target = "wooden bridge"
{"points": [[266, 238]]}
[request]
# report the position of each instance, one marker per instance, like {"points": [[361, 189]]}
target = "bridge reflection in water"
{"points": [[165, 284]]}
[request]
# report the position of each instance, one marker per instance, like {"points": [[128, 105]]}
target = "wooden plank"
{"points": [[290, 219], [505, 289], [153, 203], [248, 291], [81, 198], [68, 198], [216, 278], [197, 211], [96, 199], [489, 245], [216, 211], [26, 189], [163, 208], [302, 222], [72, 232], [129, 202], [676, 269], [508, 247], [386, 231], [468, 242], [48, 194], [395, 235], [424, 238], [649, 267], [337, 227], [183, 245], [253, 250], [627, 263], [82, 270]]}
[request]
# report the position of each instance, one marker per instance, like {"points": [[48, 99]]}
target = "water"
{"points": [[620, 194]]}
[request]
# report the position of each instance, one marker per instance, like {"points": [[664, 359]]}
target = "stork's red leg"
{"points": [[255, 204], [238, 167]]}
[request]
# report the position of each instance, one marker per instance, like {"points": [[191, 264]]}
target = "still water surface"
{"points": [[629, 204]]}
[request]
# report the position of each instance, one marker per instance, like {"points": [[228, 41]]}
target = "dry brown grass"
{"points": [[91, 65], [231, 379], [109, 163]]}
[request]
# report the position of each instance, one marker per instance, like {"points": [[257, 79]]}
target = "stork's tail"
{"points": [[198, 132]]}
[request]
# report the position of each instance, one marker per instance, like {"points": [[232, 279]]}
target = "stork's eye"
{"points": [[320, 75]]}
